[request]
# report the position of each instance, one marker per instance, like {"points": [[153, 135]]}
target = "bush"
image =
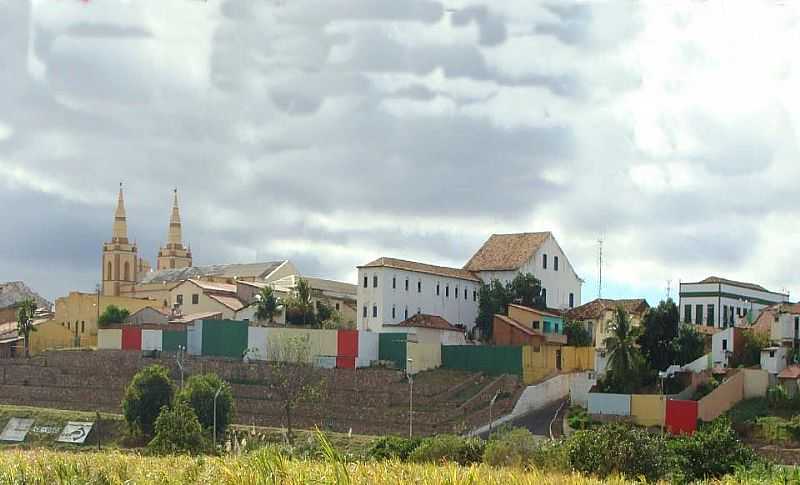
{"points": [[748, 410], [449, 448], [779, 430], [711, 452], [513, 448], [578, 418], [618, 449], [149, 391], [113, 314], [705, 389], [392, 448], [178, 431], [199, 394]]}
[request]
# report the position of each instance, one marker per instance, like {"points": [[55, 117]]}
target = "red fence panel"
{"points": [[345, 362], [347, 343], [681, 416], [131, 338]]}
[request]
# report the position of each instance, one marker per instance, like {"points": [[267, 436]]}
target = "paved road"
{"points": [[538, 422]]}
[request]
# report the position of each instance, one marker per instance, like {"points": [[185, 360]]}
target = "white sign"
{"points": [[16, 429], [75, 432], [45, 430]]}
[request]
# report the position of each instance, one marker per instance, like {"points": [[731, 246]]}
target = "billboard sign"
{"points": [[75, 432], [16, 430]]}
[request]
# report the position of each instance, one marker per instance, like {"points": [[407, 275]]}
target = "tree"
{"points": [[178, 431], [624, 359], [688, 346], [267, 305], [199, 394], [113, 314], [25, 315], [577, 334], [299, 308], [495, 297], [751, 352], [527, 290], [294, 379], [327, 316], [149, 391], [660, 328]]}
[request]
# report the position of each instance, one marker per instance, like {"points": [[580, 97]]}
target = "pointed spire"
{"points": [[120, 233], [175, 235]]}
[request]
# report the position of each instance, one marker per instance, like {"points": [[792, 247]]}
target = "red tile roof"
{"points": [[422, 268], [423, 320], [594, 309], [506, 252], [791, 372]]}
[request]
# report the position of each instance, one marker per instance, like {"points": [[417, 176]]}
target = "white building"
{"points": [[391, 290], [774, 359], [503, 256], [716, 303]]}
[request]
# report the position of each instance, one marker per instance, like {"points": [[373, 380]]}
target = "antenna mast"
{"points": [[600, 266]]}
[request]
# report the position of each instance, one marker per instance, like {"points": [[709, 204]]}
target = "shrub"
{"points": [[711, 452], [705, 389], [199, 394], [178, 431], [748, 410], [449, 448], [618, 449], [149, 391], [113, 314], [513, 448], [779, 430], [578, 418], [392, 448]]}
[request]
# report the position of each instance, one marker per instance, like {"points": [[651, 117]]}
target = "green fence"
{"points": [[171, 339], [224, 338], [392, 346], [483, 358]]}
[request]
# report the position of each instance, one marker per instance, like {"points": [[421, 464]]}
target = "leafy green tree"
{"points": [[199, 394], [688, 346], [113, 314], [300, 308], [149, 390], [495, 297], [751, 352], [577, 334], [526, 289], [25, 315], [625, 362], [659, 329], [178, 431], [267, 305]]}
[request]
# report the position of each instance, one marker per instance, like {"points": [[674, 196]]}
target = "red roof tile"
{"points": [[506, 252], [594, 309], [422, 268], [423, 320]]}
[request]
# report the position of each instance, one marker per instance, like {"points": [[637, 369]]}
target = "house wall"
{"points": [[539, 362], [746, 300], [505, 334], [385, 297], [756, 382], [148, 315], [783, 329], [547, 324], [610, 404], [542, 394], [204, 302], [50, 335], [776, 363], [726, 336], [648, 409], [81, 308], [579, 386], [425, 356]]}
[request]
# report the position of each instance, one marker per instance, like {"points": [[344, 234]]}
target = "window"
{"points": [[724, 344], [771, 353], [437, 289], [796, 326], [725, 315], [127, 271], [375, 281], [465, 293], [687, 314], [196, 299], [337, 307], [394, 282], [555, 263], [69, 326], [710, 316], [447, 291], [474, 295], [455, 293], [406, 284], [698, 314], [536, 324], [544, 261], [419, 286], [365, 311], [108, 275], [556, 328], [544, 296], [179, 299], [374, 311], [394, 312], [405, 313], [83, 326], [572, 300], [366, 281]]}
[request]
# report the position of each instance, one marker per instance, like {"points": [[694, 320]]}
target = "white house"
{"points": [[725, 345], [430, 329], [503, 256], [774, 359], [392, 290], [716, 303], [785, 328]]}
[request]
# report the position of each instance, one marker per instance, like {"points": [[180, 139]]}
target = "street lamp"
{"points": [[410, 398], [179, 360], [216, 395], [491, 405]]}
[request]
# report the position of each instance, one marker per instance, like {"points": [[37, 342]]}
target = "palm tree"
{"points": [[303, 297], [25, 323], [623, 355], [267, 305]]}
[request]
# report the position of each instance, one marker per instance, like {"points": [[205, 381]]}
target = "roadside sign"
{"points": [[16, 429], [75, 432]]}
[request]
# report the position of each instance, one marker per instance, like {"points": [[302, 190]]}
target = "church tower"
{"points": [[174, 254], [119, 255]]}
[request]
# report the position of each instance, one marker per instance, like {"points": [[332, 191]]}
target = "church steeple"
{"points": [[120, 232], [174, 254]]}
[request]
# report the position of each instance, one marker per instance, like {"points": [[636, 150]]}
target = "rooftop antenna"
{"points": [[600, 266], [669, 289]]}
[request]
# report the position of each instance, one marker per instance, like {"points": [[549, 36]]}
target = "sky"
{"points": [[333, 132]]}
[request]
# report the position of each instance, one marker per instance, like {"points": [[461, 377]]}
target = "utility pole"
{"points": [[216, 395], [600, 265], [179, 360], [410, 398]]}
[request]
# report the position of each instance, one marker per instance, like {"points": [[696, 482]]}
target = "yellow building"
{"points": [[174, 254], [598, 315], [78, 312], [50, 334]]}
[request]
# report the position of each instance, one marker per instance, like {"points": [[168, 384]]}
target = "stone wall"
{"points": [[370, 401]]}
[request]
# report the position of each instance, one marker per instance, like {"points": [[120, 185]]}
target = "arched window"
{"points": [[127, 271], [108, 274]]}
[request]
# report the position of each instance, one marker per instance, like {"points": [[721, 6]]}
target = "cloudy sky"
{"points": [[331, 132]]}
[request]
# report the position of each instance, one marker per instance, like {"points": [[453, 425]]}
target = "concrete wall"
{"points": [[540, 362], [699, 365], [425, 356], [648, 410], [579, 387], [756, 382], [723, 398], [540, 395], [152, 340], [50, 335], [610, 404], [109, 339], [367, 348], [257, 339]]}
